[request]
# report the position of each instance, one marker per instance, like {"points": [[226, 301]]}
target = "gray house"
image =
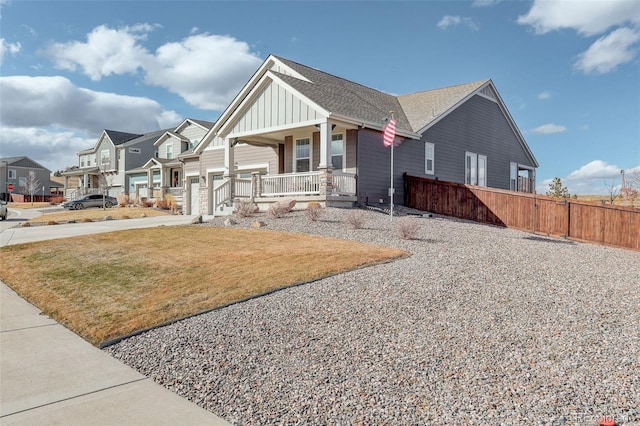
{"points": [[25, 176], [105, 164], [325, 138]]}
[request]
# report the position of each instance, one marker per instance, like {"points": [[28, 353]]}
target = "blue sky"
{"points": [[568, 71]]}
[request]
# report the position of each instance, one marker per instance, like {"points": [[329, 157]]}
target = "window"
{"points": [[475, 169], [169, 152], [429, 157], [134, 150], [104, 157], [337, 151], [302, 160], [12, 174]]}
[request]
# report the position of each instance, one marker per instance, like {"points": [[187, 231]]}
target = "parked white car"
{"points": [[3, 210]]}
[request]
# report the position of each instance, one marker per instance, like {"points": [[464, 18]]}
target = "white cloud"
{"points": [[590, 18], [547, 129], [6, 47], [107, 51], [586, 17], [54, 149], [449, 20], [55, 101], [594, 178], [543, 96], [609, 51], [206, 70]]}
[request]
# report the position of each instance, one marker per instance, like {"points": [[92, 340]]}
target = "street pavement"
{"points": [[51, 376]]}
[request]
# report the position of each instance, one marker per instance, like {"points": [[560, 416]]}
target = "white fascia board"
{"points": [[208, 137], [292, 72], [374, 126], [277, 128], [269, 77]]}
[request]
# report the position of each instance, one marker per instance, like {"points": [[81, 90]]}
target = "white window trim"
{"points": [[295, 152], [103, 157], [344, 150], [168, 150], [482, 182], [474, 177], [430, 148], [12, 174]]}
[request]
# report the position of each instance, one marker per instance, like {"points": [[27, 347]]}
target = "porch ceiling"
{"points": [[275, 136]]}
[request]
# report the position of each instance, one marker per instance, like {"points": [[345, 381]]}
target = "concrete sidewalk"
{"points": [[50, 376]]}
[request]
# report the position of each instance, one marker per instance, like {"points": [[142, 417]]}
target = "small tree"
{"points": [[105, 181], [31, 185], [557, 190], [613, 190]]}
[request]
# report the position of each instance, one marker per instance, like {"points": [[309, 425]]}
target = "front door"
{"points": [[194, 195]]}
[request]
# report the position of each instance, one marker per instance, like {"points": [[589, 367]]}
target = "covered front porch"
{"points": [[327, 187]]}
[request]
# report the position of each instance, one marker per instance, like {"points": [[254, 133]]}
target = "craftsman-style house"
{"points": [[321, 140]]}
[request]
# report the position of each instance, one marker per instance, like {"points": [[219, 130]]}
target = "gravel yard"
{"points": [[480, 325]]}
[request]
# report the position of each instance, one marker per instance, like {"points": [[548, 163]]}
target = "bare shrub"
{"points": [[124, 201], [163, 204], [87, 219], [313, 211], [244, 207], [144, 202], [355, 219], [52, 222], [407, 228], [277, 211]]}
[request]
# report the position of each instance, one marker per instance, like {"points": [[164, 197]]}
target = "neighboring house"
{"points": [[164, 171], [17, 170], [320, 139], [103, 167]]}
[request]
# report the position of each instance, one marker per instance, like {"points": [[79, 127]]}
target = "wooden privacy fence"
{"points": [[577, 220]]}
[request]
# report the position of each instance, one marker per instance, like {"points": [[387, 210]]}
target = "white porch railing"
{"points": [[243, 187], [291, 184], [222, 194], [343, 184], [306, 184]]}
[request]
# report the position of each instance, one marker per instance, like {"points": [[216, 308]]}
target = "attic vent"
{"points": [[488, 92]]}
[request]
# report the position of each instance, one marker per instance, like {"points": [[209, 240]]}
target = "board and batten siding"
{"points": [[476, 126], [274, 106], [193, 132]]}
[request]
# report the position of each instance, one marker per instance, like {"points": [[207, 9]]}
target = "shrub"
{"points": [[124, 216], [163, 204], [407, 228], [52, 222], [313, 211], [124, 201], [355, 219], [146, 203], [87, 219], [276, 211], [244, 207]]}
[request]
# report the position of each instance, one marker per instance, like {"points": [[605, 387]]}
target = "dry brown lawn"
{"points": [[28, 205], [99, 214], [108, 285]]}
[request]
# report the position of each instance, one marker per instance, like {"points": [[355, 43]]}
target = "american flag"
{"points": [[389, 132]]}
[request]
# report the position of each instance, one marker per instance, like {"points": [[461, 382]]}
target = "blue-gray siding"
{"points": [[477, 126]]}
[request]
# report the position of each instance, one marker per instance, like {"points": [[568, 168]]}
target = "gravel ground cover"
{"points": [[480, 325]]}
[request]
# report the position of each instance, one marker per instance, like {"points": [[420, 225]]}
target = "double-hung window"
{"points": [[475, 169], [169, 151], [302, 160], [337, 151], [429, 158]]}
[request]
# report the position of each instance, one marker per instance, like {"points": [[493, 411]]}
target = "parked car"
{"points": [[93, 200], [3, 210]]}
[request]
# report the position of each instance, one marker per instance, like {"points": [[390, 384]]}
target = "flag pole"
{"points": [[388, 138], [391, 190]]}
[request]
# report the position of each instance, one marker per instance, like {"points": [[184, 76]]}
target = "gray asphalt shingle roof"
{"points": [[337, 95], [118, 138]]}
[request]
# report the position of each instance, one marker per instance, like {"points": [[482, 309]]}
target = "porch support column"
{"points": [[149, 183], [229, 164], [325, 166], [325, 145], [256, 185], [85, 183]]}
